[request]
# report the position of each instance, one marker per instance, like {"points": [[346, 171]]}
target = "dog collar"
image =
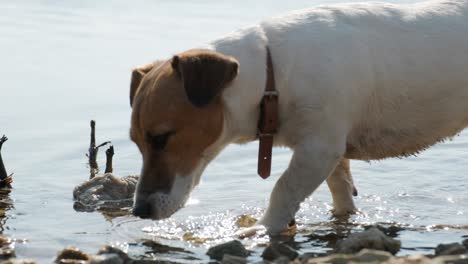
{"points": [[268, 120]]}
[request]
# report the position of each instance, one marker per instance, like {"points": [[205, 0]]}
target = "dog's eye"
{"points": [[158, 142]]}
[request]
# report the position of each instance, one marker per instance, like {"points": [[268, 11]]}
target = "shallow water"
{"points": [[63, 63]]}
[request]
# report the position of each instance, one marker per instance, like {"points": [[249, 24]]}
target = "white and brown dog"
{"points": [[355, 81]]}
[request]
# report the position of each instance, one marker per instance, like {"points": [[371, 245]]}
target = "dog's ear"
{"points": [[137, 76], [204, 74]]}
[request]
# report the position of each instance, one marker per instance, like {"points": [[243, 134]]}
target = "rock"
{"points": [[309, 255], [465, 243], [364, 256], [234, 248], [376, 256], [71, 255], [450, 249], [282, 260], [372, 238], [109, 258], [391, 231], [229, 259], [19, 261], [7, 252], [277, 250], [158, 248], [110, 255]]}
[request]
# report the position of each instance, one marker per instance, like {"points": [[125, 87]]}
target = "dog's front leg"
{"points": [[312, 161]]}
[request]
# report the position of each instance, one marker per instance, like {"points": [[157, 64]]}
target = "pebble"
{"points": [[372, 238], [234, 248], [71, 255], [465, 243], [450, 249], [277, 250], [230, 259], [364, 256]]}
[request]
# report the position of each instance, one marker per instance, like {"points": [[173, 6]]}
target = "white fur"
{"points": [[388, 80]]}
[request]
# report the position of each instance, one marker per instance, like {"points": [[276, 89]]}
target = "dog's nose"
{"points": [[142, 209]]}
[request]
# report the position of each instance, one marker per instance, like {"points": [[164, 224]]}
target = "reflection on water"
{"points": [[5, 204], [66, 62]]}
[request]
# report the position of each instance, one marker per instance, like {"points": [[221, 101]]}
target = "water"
{"points": [[66, 62]]}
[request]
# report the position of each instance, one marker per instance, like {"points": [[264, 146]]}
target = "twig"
{"points": [[109, 155], [5, 180], [93, 151]]}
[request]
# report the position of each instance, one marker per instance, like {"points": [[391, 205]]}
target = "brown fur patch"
{"points": [[160, 106], [137, 76]]}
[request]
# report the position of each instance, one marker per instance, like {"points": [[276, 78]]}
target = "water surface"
{"points": [[66, 62]]}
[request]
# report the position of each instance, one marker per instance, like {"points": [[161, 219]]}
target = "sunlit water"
{"points": [[63, 63]]}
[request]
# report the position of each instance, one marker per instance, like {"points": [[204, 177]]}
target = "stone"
{"points": [[282, 260], [109, 258], [372, 238], [450, 249], [277, 250], [465, 243], [234, 248], [108, 251], [71, 255], [19, 261], [230, 259], [364, 256]]}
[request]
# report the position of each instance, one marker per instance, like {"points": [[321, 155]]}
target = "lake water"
{"points": [[63, 63]]}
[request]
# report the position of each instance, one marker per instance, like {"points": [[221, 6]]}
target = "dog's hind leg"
{"points": [[342, 188]]}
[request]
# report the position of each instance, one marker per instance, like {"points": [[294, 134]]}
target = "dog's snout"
{"points": [[142, 209]]}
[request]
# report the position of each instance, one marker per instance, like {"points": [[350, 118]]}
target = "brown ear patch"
{"points": [[204, 74], [137, 76]]}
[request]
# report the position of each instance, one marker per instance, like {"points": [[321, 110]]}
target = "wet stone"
{"points": [[277, 250], [364, 256], [108, 253], [160, 248], [109, 258], [372, 238], [391, 231], [450, 249], [465, 243], [71, 255], [234, 248], [282, 260], [7, 253], [229, 259], [19, 261]]}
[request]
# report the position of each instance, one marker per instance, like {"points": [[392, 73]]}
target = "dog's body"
{"points": [[360, 81]]}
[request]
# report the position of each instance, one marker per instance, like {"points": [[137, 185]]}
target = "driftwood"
{"points": [[5, 179], [109, 155], [93, 151]]}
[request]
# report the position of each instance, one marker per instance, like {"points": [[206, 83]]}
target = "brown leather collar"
{"points": [[268, 120]]}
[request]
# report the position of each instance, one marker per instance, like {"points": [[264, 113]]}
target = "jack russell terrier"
{"points": [[363, 81]]}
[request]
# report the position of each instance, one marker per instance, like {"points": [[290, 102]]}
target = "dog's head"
{"points": [[177, 117]]}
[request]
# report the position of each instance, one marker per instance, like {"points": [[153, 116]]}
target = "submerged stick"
{"points": [[5, 180], [93, 151], [109, 156]]}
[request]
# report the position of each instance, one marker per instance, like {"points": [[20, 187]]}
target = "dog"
{"points": [[363, 81]]}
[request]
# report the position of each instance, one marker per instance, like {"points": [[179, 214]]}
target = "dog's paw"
{"points": [[255, 230], [262, 228], [344, 212]]}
